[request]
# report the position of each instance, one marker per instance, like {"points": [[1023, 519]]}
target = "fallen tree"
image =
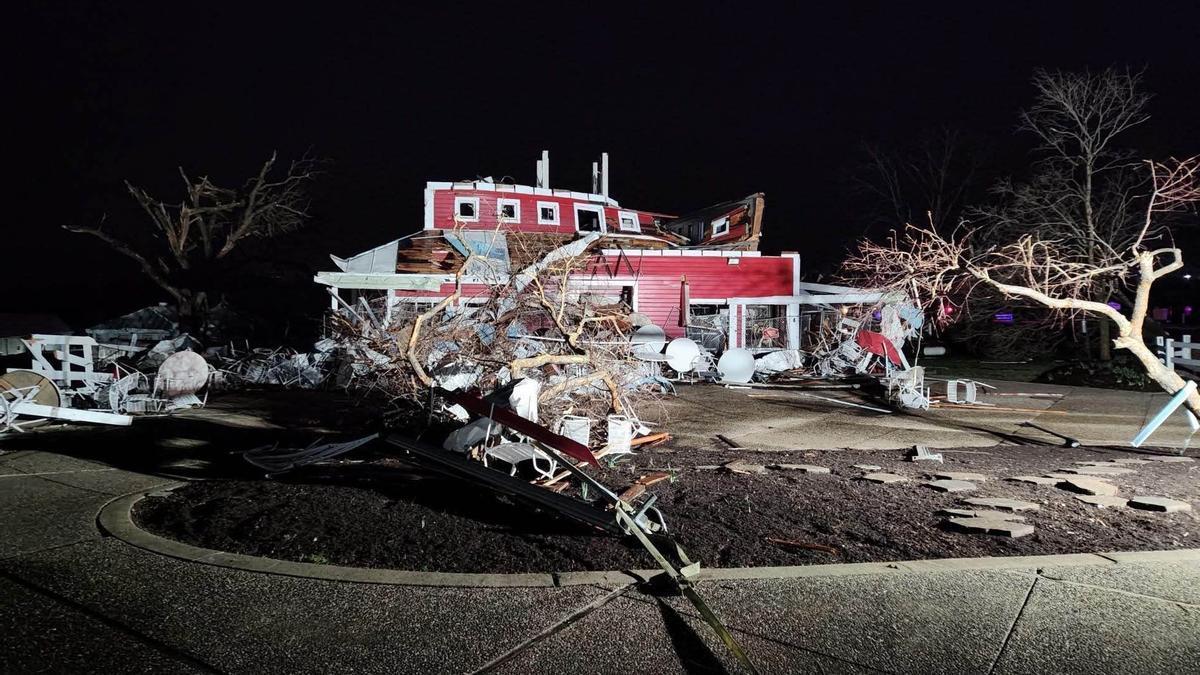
{"points": [[946, 272]]}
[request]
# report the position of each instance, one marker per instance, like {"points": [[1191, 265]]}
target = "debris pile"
{"points": [[863, 339], [574, 356], [73, 378], [279, 366]]}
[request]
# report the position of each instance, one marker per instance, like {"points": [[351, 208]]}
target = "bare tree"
{"points": [[1084, 192], [927, 182], [939, 270], [191, 240]]}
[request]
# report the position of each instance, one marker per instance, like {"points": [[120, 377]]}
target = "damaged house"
{"points": [[699, 275]]}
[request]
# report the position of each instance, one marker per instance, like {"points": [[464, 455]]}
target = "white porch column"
{"points": [[793, 325]]}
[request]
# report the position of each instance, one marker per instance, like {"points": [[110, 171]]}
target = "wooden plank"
{"points": [[650, 439]]}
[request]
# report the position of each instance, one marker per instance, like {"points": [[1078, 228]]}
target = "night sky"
{"points": [[694, 106]]}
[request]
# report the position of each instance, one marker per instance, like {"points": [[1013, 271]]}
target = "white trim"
{"points": [[594, 208], [723, 223], [856, 298], [716, 253], [793, 324], [415, 282], [557, 215], [637, 226], [429, 190], [466, 200], [484, 186], [796, 272], [515, 203], [827, 288]]}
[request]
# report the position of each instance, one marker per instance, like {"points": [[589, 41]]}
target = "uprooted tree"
{"points": [[941, 271], [187, 244]]}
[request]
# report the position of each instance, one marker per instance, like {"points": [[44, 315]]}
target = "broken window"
{"points": [[466, 208], [547, 213], [589, 219], [628, 222], [720, 226], [508, 210]]}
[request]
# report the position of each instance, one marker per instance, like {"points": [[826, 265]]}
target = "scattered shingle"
{"points": [[960, 475], [1103, 501], [1098, 470], [1159, 504], [1036, 480], [1003, 503], [945, 485], [980, 513], [884, 478], [1088, 486], [1003, 528], [805, 468], [740, 466]]}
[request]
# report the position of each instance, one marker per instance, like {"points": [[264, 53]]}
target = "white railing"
{"points": [[1171, 351]]}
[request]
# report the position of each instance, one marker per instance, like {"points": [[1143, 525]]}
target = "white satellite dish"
{"points": [[682, 354], [736, 365], [181, 373], [648, 340]]}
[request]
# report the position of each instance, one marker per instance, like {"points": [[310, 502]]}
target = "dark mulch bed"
{"points": [[1122, 372], [400, 521]]}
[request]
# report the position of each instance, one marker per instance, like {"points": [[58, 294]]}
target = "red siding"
{"points": [[709, 278], [657, 280]]}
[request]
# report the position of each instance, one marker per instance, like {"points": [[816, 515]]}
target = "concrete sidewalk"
{"points": [[786, 419], [74, 600]]}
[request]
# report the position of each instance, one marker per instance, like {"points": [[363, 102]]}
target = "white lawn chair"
{"points": [[515, 453]]}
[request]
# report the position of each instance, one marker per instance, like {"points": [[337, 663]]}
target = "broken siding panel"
{"points": [[743, 219]]}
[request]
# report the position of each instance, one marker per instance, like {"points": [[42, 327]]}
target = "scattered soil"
{"points": [[378, 514]]}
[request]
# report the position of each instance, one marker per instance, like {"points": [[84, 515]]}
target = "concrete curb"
{"points": [[115, 518]]}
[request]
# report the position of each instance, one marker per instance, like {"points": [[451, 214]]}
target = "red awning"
{"points": [[876, 343]]}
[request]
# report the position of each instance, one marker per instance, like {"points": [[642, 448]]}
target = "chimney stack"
{"points": [[604, 174]]}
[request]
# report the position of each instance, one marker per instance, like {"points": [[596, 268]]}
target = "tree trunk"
{"points": [[1105, 339], [1168, 379], [193, 311]]}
